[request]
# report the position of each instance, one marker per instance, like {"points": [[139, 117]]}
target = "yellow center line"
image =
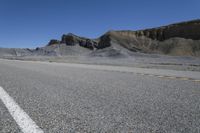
{"points": [[169, 77], [160, 76], [183, 78], [196, 80]]}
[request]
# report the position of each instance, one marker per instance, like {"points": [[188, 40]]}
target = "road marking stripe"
{"points": [[160, 76], [196, 80], [26, 124], [151, 75], [183, 78], [169, 77]]}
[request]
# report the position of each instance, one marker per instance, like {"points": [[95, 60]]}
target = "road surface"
{"points": [[62, 98]]}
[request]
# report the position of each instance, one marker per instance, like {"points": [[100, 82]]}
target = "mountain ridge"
{"points": [[179, 39]]}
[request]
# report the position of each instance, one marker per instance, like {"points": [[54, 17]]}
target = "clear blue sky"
{"points": [[32, 23]]}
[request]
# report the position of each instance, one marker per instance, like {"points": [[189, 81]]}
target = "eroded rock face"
{"points": [[70, 39], [105, 41], [176, 39], [187, 30], [88, 43], [53, 42]]}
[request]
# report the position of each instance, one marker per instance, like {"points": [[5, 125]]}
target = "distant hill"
{"points": [[182, 39]]}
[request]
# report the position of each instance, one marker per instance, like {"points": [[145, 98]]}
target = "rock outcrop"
{"points": [[177, 39], [53, 42], [71, 40], [182, 39], [187, 30]]}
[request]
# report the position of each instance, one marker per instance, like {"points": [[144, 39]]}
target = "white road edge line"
{"points": [[26, 124]]}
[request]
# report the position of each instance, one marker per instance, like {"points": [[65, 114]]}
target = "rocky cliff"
{"points": [[72, 40], [187, 30], [175, 39], [182, 39]]}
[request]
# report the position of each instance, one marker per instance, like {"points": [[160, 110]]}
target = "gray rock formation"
{"points": [[53, 42], [71, 40], [181, 39]]}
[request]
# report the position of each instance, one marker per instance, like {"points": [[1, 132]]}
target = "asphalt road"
{"points": [[62, 98]]}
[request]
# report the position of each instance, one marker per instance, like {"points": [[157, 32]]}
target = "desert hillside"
{"points": [[175, 39], [180, 39]]}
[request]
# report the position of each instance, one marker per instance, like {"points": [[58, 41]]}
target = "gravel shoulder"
{"points": [[136, 60]]}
